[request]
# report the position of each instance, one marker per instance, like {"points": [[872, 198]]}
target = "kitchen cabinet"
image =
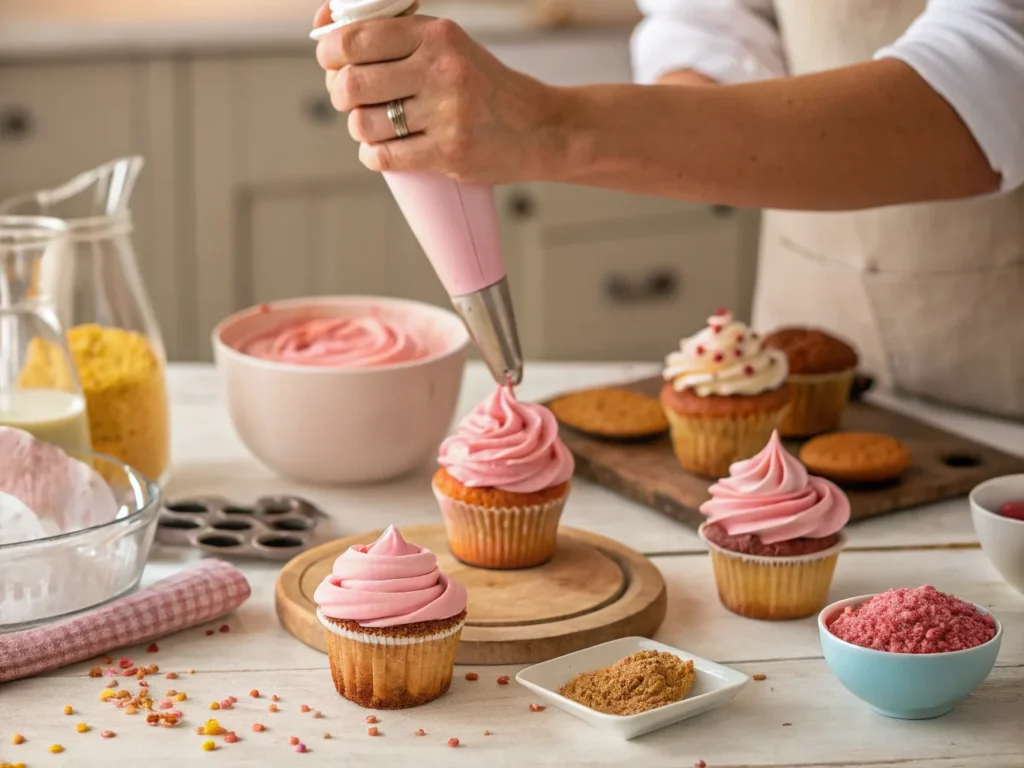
{"points": [[57, 120]]}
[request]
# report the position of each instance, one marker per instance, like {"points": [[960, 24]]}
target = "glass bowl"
{"points": [[47, 579]]}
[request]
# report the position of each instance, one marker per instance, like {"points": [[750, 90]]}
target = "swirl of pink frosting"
{"points": [[508, 445], [366, 342], [388, 583], [772, 496]]}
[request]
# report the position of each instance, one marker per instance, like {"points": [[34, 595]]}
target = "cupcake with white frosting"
{"points": [[392, 622], [724, 395]]}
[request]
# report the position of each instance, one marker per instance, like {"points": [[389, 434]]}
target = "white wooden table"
{"points": [[798, 716]]}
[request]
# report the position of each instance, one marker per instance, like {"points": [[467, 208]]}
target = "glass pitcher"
{"points": [[49, 403], [102, 303]]}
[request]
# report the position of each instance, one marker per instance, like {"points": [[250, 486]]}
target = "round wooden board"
{"points": [[593, 590]]}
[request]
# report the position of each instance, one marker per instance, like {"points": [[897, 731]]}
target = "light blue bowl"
{"points": [[907, 686]]}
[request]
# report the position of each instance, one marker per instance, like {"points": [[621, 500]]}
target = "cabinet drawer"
{"points": [[563, 205], [634, 298], [56, 121], [287, 126]]}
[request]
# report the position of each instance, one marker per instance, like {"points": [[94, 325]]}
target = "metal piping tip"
{"points": [[491, 322]]}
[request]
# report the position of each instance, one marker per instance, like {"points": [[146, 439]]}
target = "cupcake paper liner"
{"points": [[379, 672], [818, 403], [708, 445], [773, 588], [501, 537]]}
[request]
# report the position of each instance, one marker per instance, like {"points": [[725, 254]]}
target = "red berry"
{"points": [[749, 370], [739, 337], [716, 328], [453, 743], [209, 632], [1013, 510], [719, 357], [739, 352], [700, 349], [721, 311], [153, 648], [503, 680], [225, 628]]}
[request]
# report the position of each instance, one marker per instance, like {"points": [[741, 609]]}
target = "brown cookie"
{"points": [[856, 457], [613, 413]]}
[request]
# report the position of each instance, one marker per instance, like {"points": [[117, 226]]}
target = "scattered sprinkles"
{"points": [[254, 694], [209, 632], [153, 648], [107, 734], [272, 708], [224, 628], [487, 733], [95, 672], [17, 739], [124, 663], [700, 764], [537, 707], [371, 719], [293, 740], [303, 707], [472, 676], [231, 738], [258, 727], [453, 743], [327, 735], [759, 677], [372, 732], [300, 748], [68, 709], [180, 696], [209, 746], [56, 748], [171, 676], [215, 705], [420, 732], [275, 697], [226, 704], [82, 728], [316, 714], [213, 728]]}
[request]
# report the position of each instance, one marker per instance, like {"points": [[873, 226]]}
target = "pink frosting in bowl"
{"points": [[507, 445], [389, 583], [772, 496], [360, 342]]}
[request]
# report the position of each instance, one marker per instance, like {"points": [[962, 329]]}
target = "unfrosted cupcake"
{"points": [[392, 622], [503, 482], [821, 371], [775, 533], [724, 394]]}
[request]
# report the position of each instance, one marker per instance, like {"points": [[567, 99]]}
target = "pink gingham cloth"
{"points": [[202, 593]]}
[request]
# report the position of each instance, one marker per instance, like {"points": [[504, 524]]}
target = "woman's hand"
{"points": [[470, 116]]}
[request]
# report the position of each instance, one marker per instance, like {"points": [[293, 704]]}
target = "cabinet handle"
{"points": [[16, 124], [522, 206], [722, 211], [660, 285], [320, 110]]}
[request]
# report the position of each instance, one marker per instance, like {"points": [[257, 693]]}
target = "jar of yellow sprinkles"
{"points": [[112, 332]]}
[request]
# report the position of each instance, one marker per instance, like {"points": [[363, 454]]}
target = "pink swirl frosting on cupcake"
{"points": [[389, 583], [772, 496], [365, 342], [508, 445]]}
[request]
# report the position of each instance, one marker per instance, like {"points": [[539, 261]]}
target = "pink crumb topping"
{"points": [[921, 620]]}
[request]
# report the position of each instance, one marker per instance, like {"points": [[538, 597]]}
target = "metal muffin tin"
{"points": [[273, 528]]}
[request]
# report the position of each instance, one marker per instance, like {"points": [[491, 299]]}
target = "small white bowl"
{"points": [[715, 685], [1002, 538]]}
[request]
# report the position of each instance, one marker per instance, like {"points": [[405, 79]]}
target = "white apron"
{"points": [[932, 295]]}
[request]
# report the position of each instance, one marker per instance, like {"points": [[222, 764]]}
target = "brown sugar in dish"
{"points": [[638, 683]]}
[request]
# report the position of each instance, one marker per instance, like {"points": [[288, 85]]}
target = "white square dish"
{"points": [[715, 685]]}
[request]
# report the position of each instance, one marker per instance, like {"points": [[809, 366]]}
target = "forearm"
{"points": [[865, 136]]}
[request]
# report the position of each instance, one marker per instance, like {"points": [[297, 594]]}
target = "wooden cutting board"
{"points": [[944, 466], [593, 590]]}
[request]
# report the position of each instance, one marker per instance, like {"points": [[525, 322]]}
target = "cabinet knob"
{"points": [[722, 211], [320, 110], [659, 285], [16, 124], [522, 206]]}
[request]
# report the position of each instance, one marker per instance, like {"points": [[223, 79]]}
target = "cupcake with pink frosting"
{"points": [[775, 533], [392, 622], [503, 483]]}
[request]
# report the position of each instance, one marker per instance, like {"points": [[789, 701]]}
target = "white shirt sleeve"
{"points": [[730, 41], [972, 53]]}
